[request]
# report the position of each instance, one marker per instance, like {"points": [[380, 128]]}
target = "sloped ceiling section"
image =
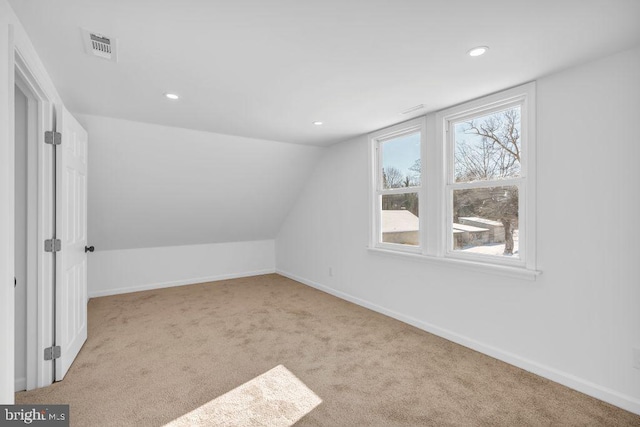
{"points": [[152, 185]]}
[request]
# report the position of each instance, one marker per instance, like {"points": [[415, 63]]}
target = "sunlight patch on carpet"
{"points": [[276, 398]]}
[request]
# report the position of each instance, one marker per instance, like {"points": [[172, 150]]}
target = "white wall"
{"points": [[171, 206], [152, 185], [578, 322], [129, 270]]}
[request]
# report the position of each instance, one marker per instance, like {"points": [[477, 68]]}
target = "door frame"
{"points": [[40, 193]]}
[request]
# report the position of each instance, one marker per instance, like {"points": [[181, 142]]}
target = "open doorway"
{"points": [[20, 237], [25, 228], [33, 210]]}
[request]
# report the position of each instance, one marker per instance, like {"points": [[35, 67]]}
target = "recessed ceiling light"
{"points": [[477, 51], [171, 96], [317, 123]]}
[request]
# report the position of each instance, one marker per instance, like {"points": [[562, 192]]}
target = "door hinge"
{"points": [[53, 138], [51, 353], [52, 245]]}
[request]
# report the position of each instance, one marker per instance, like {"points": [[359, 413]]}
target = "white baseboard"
{"points": [[183, 282], [613, 397], [20, 384]]}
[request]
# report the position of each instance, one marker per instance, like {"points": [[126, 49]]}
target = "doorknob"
{"points": [[89, 249]]}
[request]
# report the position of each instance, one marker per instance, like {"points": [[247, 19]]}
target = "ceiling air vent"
{"points": [[100, 45]]}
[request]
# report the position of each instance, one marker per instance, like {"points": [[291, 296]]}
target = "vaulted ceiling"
{"points": [[268, 69]]}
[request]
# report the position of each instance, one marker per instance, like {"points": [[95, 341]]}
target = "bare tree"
{"points": [[392, 178], [416, 167], [495, 155], [501, 203], [415, 172], [502, 129], [483, 161]]}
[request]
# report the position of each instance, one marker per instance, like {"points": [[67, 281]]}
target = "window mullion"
{"points": [[403, 190], [484, 184]]}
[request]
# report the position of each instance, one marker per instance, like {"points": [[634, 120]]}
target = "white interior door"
{"points": [[71, 229]]}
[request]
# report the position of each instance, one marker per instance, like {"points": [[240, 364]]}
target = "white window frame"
{"points": [[376, 139], [437, 184]]}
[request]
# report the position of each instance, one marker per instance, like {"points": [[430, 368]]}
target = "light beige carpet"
{"points": [[276, 398], [153, 357]]}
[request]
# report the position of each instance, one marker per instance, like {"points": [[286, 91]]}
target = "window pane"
{"points": [[400, 222], [485, 221], [401, 161], [488, 147]]}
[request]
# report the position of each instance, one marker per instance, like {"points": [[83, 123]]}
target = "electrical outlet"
{"points": [[636, 358], [331, 271]]}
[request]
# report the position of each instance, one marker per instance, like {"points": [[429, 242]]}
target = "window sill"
{"points": [[502, 270]]}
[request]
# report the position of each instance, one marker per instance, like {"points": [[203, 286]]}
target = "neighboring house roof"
{"points": [[469, 228], [482, 220], [399, 221]]}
